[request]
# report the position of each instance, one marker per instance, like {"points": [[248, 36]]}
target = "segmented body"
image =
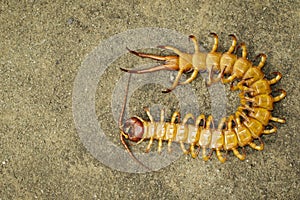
{"points": [[247, 124], [200, 134]]}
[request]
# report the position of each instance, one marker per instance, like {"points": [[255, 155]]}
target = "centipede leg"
{"points": [[241, 87], [220, 75], [275, 119], [237, 154], [276, 79], [236, 87], [216, 42], [226, 155], [244, 50], [205, 157], [180, 72], [218, 152], [159, 145], [169, 145], [191, 78], [257, 147], [175, 50], [244, 99], [196, 71], [209, 121], [198, 151], [199, 119], [184, 121], [187, 117], [183, 148], [242, 94], [193, 152], [240, 112], [229, 79], [281, 96], [233, 45], [210, 76], [175, 115], [211, 80], [149, 144], [149, 114], [220, 157], [195, 42], [263, 60], [139, 142], [269, 131]]}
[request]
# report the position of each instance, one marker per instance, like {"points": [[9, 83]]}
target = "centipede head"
{"points": [[133, 129]]}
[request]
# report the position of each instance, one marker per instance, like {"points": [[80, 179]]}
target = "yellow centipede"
{"points": [[238, 130]]}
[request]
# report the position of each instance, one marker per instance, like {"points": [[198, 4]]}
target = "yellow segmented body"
{"points": [[240, 129]]}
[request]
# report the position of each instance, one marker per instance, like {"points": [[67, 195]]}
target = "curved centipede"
{"points": [[249, 122], [226, 63]]}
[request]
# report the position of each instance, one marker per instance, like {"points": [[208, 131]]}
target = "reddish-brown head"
{"points": [[134, 129]]}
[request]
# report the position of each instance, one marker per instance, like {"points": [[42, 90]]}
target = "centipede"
{"points": [[243, 128]]}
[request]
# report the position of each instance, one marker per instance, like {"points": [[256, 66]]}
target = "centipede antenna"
{"points": [[122, 135], [124, 103]]}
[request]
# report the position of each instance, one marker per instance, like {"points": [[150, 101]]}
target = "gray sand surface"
{"points": [[43, 45]]}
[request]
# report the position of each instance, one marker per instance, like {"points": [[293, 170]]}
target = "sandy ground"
{"points": [[43, 46]]}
